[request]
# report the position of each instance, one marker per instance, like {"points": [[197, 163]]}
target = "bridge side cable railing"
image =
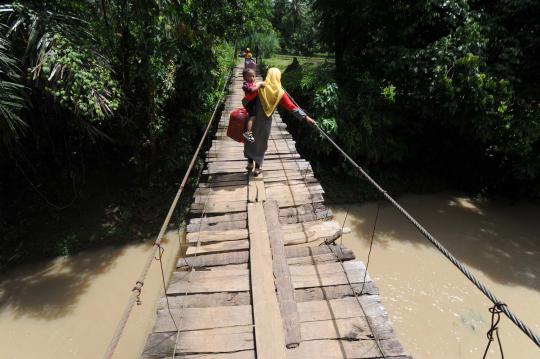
{"points": [[497, 303], [157, 248]]}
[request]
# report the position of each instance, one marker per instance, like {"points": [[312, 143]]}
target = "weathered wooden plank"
{"points": [[215, 341], [268, 323], [348, 307], [231, 177], [215, 236], [311, 232], [205, 300], [259, 184], [219, 247], [295, 256], [295, 197], [313, 183], [220, 207], [221, 197], [244, 354], [237, 190], [292, 170], [285, 202], [219, 226], [302, 209], [322, 258], [202, 318], [280, 187], [208, 282], [327, 274], [269, 164], [210, 260], [256, 192], [335, 292], [347, 349], [240, 157], [229, 267], [229, 217], [304, 251], [222, 184], [282, 276], [308, 217], [349, 328]]}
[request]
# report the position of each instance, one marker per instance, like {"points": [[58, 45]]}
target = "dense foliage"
{"points": [[104, 99], [296, 23], [449, 86]]}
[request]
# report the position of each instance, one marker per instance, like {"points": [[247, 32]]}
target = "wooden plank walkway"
{"points": [[254, 282]]}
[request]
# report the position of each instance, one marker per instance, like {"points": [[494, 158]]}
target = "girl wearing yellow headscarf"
{"points": [[270, 97]]}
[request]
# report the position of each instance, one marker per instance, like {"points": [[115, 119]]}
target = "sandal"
{"points": [[257, 171], [249, 166], [248, 135]]}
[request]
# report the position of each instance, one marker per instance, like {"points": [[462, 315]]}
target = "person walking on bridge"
{"points": [[270, 97]]}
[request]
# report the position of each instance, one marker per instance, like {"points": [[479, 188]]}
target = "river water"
{"points": [[436, 311], [68, 308]]}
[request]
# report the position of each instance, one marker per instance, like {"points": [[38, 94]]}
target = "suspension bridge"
{"points": [[261, 275], [257, 279]]}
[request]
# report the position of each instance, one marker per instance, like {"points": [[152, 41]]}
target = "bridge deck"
{"points": [[254, 281]]}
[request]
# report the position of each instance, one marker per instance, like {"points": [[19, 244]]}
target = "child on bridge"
{"points": [[251, 90]]}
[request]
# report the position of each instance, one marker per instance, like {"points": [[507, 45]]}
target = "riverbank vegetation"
{"points": [[428, 87], [103, 102]]}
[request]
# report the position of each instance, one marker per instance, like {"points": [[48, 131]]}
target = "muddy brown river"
{"points": [[436, 311], [68, 308]]}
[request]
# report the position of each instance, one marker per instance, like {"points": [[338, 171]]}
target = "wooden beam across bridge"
{"points": [[254, 282]]}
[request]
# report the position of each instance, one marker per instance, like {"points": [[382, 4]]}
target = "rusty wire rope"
{"points": [[137, 289]]}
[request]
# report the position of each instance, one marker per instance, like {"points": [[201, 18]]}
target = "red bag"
{"points": [[237, 122]]}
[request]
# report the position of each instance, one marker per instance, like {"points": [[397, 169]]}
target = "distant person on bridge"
{"points": [[249, 63], [270, 97]]}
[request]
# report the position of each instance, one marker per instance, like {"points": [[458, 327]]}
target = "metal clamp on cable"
{"points": [[138, 289], [495, 311]]}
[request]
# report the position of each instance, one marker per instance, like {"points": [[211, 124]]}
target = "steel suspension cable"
{"points": [[137, 289], [504, 308]]}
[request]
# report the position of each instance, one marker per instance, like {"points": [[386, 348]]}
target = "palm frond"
{"points": [[47, 34], [12, 101]]}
